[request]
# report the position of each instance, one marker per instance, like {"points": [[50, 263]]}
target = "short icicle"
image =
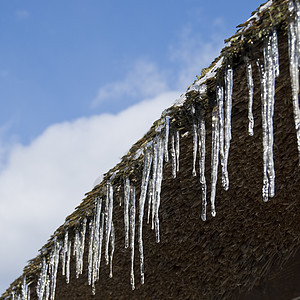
{"points": [[41, 284], [227, 123], [202, 133], [214, 159], [173, 156], [132, 234], [144, 186], [195, 144]]}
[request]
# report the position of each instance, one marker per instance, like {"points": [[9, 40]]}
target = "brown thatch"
{"points": [[250, 250]]}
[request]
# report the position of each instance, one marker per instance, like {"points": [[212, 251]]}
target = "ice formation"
{"points": [[227, 123], [101, 226], [202, 133], [294, 55], [268, 72], [143, 194], [250, 103], [132, 233]]}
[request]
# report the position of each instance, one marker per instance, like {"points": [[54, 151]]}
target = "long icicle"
{"points": [[126, 210], [195, 144], [214, 159], [202, 134], [144, 186], [294, 56], [132, 234], [109, 199], [250, 101], [227, 123]]}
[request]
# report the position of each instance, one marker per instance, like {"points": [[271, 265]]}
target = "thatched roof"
{"points": [[248, 244]]}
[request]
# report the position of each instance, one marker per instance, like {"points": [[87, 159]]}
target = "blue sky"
{"points": [[73, 76]]}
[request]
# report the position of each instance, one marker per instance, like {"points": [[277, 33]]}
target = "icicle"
{"points": [[154, 179], [68, 262], [173, 156], [157, 184], [202, 134], [144, 186], [47, 288], [177, 150], [214, 159], [268, 73], [167, 121], [64, 251], [90, 257], [109, 201], [53, 266], [126, 213], [41, 284], [220, 101], [100, 244], [24, 289], [112, 246], [294, 56], [227, 123], [76, 252], [195, 142], [132, 234], [82, 243], [250, 103], [28, 292]]}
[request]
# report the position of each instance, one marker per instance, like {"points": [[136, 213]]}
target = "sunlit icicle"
{"points": [[144, 186], [167, 129], [112, 249], [109, 212], [227, 123], [202, 134], [90, 256], [220, 101], [154, 180], [132, 234], [82, 243], [41, 284], [53, 266], [177, 150], [250, 102], [268, 75], [126, 210], [100, 245], [47, 292], [28, 292], [263, 83], [64, 251], [214, 159], [158, 182], [68, 262], [195, 144], [24, 289], [294, 57], [173, 156]]}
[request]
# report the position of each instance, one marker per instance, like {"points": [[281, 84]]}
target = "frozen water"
{"points": [[167, 129], [41, 284], [126, 210], [132, 233], [68, 262], [173, 156], [144, 186], [227, 123], [294, 56], [154, 176], [53, 266], [250, 103], [109, 212], [202, 133], [214, 159], [177, 150], [195, 143], [112, 249]]}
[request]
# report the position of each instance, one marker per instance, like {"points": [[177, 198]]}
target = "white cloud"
{"points": [[42, 183], [143, 80]]}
